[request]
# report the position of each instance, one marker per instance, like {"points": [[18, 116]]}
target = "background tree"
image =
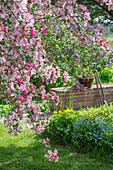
{"points": [[97, 10]]}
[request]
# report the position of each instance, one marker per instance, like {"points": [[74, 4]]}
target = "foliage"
{"points": [[61, 126], [4, 110], [106, 75], [88, 129], [44, 107]]}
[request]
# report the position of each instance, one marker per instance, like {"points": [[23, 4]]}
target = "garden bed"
{"points": [[89, 130]]}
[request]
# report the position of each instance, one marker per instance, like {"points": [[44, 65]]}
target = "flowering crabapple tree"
{"points": [[24, 25]]}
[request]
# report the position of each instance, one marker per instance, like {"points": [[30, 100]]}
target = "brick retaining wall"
{"points": [[77, 98]]}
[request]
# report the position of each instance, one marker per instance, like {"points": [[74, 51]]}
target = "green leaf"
{"points": [[29, 40], [14, 94]]}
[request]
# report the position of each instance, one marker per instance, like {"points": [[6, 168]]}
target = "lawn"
{"points": [[24, 152]]}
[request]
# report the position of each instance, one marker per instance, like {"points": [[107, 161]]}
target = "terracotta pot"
{"points": [[86, 81]]}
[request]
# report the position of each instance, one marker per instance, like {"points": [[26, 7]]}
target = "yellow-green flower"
{"points": [[55, 112], [59, 111]]}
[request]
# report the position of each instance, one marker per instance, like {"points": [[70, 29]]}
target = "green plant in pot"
{"points": [[86, 77]]}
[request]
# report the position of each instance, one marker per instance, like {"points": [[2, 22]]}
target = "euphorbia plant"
{"points": [[24, 26]]}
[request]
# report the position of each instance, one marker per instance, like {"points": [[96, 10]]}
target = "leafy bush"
{"points": [[61, 126], [87, 129], [4, 110], [94, 129], [106, 75], [44, 107]]}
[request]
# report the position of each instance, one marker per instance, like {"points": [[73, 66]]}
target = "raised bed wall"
{"points": [[77, 99]]}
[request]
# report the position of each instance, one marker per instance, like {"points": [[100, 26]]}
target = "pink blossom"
{"points": [[44, 141], [6, 29], [52, 58], [50, 152], [42, 43], [52, 92], [1, 95], [19, 98], [27, 68], [47, 139], [24, 34], [14, 44], [46, 60], [46, 30], [29, 97], [55, 152], [56, 158], [26, 91], [50, 159], [41, 29], [20, 81]]}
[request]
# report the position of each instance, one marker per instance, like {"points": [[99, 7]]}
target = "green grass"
{"points": [[24, 153]]}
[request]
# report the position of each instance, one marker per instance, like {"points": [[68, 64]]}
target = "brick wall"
{"points": [[76, 98]]}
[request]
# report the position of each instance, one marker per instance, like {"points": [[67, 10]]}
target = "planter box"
{"points": [[77, 99]]}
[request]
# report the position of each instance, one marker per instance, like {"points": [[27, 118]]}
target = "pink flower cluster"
{"points": [[66, 76], [51, 155]]}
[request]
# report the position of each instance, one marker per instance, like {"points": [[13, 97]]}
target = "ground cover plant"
{"points": [[26, 51], [24, 152], [89, 130]]}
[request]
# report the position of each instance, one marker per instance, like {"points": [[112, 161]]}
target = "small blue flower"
{"points": [[67, 138], [97, 135], [101, 133], [104, 127]]}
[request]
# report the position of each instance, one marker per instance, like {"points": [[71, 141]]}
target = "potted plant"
{"points": [[86, 77]]}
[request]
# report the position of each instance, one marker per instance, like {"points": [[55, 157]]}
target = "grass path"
{"points": [[24, 153]]}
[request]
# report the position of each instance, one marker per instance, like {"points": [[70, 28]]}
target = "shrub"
{"points": [[94, 131], [87, 129], [61, 126], [106, 75]]}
